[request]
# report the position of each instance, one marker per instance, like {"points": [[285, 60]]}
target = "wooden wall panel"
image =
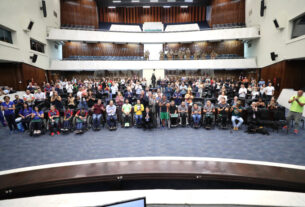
{"points": [[289, 74], [227, 11], [79, 12], [101, 49], [140, 15], [224, 47], [17, 75]]}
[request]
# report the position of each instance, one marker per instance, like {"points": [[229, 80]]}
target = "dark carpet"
{"points": [[21, 150]]}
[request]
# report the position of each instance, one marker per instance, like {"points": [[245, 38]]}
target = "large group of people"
{"points": [[77, 105]]}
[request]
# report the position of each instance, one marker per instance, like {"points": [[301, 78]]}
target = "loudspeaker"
{"points": [[34, 58], [276, 24], [273, 56], [30, 25], [44, 8], [263, 7]]}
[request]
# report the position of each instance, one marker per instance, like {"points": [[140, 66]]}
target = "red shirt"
{"points": [[53, 113], [98, 109], [84, 114]]}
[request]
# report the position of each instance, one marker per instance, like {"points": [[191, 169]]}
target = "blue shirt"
{"points": [[36, 115], [177, 98], [6, 106], [25, 112]]}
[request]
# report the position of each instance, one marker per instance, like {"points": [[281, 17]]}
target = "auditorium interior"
{"points": [[152, 103]]}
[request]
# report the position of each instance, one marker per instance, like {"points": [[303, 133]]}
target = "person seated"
{"points": [[56, 101], [97, 116], [39, 96], [54, 120], [26, 115], [223, 109], [236, 115], [67, 119], [126, 113], [71, 101], [235, 100], [147, 120], [189, 97], [164, 107], [254, 94], [272, 104], [138, 109], [37, 119], [81, 118], [177, 97], [222, 95], [260, 103], [209, 111], [253, 114], [173, 113], [111, 115], [28, 97], [183, 112], [196, 115]]}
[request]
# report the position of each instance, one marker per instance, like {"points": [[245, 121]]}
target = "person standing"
{"points": [[269, 91], [9, 113], [296, 109]]}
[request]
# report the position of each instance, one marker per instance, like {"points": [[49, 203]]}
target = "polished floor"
{"points": [[21, 150]]}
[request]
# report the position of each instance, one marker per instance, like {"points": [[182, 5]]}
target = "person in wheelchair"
{"points": [[97, 116], [147, 120], [209, 111], [236, 115], [37, 121], [223, 110], [54, 120], [111, 115], [253, 114], [26, 114], [126, 114], [173, 114], [67, 122], [183, 112], [196, 115], [81, 119], [138, 109]]}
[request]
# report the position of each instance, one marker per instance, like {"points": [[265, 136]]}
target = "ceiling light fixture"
{"points": [[116, 1], [183, 7], [111, 7], [166, 7], [146, 7]]}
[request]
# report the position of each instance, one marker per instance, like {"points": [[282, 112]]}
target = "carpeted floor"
{"points": [[21, 150]]}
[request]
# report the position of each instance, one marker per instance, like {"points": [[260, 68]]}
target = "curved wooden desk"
{"points": [[66, 178]]}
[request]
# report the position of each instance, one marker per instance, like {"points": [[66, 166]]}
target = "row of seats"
{"points": [[111, 58], [226, 26], [220, 56]]}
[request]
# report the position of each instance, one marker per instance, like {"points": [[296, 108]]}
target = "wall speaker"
{"points": [[276, 24], [30, 25], [34, 58], [273, 56], [263, 7], [44, 8]]}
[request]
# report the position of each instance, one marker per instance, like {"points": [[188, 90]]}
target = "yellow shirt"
{"points": [[138, 109]]}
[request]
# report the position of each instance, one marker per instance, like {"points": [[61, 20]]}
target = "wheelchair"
{"points": [[127, 121], [66, 130], [99, 126], [208, 121], [42, 131], [113, 122], [183, 117], [173, 121], [222, 120], [85, 126], [196, 126]]}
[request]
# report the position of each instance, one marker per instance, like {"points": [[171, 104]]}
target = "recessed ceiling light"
{"points": [[184, 7], [153, 1], [166, 7], [135, 1], [111, 7], [146, 7], [171, 0], [116, 1], [189, 1]]}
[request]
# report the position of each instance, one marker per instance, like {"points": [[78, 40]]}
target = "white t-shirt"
{"points": [[28, 97], [254, 94], [40, 96], [242, 92], [269, 90], [220, 96]]}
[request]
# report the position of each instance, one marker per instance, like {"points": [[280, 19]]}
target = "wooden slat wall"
{"points": [[224, 47], [289, 74], [227, 11], [139, 15], [79, 12], [17, 75], [101, 49]]}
